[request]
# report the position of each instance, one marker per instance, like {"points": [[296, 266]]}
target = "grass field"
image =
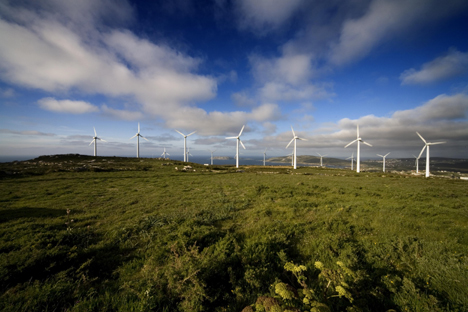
{"points": [[81, 233]]}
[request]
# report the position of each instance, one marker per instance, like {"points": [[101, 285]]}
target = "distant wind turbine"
{"points": [[188, 153], [417, 163], [95, 138], [165, 153], [212, 156], [352, 160], [427, 144], [138, 135], [185, 143], [264, 156], [237, 149], [321, 159], [295, 138], [358, 158], [383, 156]]}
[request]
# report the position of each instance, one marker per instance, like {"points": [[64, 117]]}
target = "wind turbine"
{"points": [[417, 163], [321, 159], [185, 143], [138, 135], [264, 155], [358, 158], [295, 138], [238, 141], [383, 156], [95, 138], [165, 153], [188, 153], [212, 156], [352, 160], [427, 144]]}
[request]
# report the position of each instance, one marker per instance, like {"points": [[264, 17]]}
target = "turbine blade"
{"points": [[103, 140], [290, 142], [350, 143], [422, 151], [144, 138], [380, 155], [294, 134], [241, 130], [358, 131], [231, 138], [436, 143], [138, 127], [91, 142], [191, 133], [421, 137], [301, 139], [241, 143], [180, 132], [387, 154], [133, 136], [368, 144], [94, 131]]}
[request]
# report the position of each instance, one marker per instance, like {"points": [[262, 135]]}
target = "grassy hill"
{"points": [[81, 233]]}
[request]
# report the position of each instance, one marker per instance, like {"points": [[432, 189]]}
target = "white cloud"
{"points": [[384, 20], [67, 106], [26, 132], [455, 63], [121, 113], [262, 16]]}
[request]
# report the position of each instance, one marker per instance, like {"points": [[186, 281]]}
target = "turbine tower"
{"points": [[321, 159], [138, 135], [185, 142], [295, 138], [237, 149], [95, 138], [264, 155], [427, 144], [383, 156], [165, 153], [358, 158], [352, 160], [212, 156]]}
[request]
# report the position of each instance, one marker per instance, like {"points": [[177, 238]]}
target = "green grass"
{"points": [[142, 236]]}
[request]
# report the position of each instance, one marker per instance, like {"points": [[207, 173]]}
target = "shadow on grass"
{"points": [[29, 212]]}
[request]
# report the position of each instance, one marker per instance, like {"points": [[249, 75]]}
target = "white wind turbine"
{"points": [[358, 158], [321, 159], [416, 163], [427, 144], [165, 153], [352, 160], [188, 153], [138, 135], [212, 156], [95, 138], [237, 149], [383, 156], [185, 143], [295, 138], [264, 156]]}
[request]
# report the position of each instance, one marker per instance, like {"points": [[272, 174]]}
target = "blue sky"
{"points": [[393, 67]]}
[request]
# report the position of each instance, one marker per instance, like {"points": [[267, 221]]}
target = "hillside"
{"points": [[82, 233]]}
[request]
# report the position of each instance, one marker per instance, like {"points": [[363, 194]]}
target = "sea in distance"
{"points": [[243, 161]]}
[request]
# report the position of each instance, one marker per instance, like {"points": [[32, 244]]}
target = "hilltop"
{"points": [[83, 233]]}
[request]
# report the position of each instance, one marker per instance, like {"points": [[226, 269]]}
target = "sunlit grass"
{"points": [[144, 236]]}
